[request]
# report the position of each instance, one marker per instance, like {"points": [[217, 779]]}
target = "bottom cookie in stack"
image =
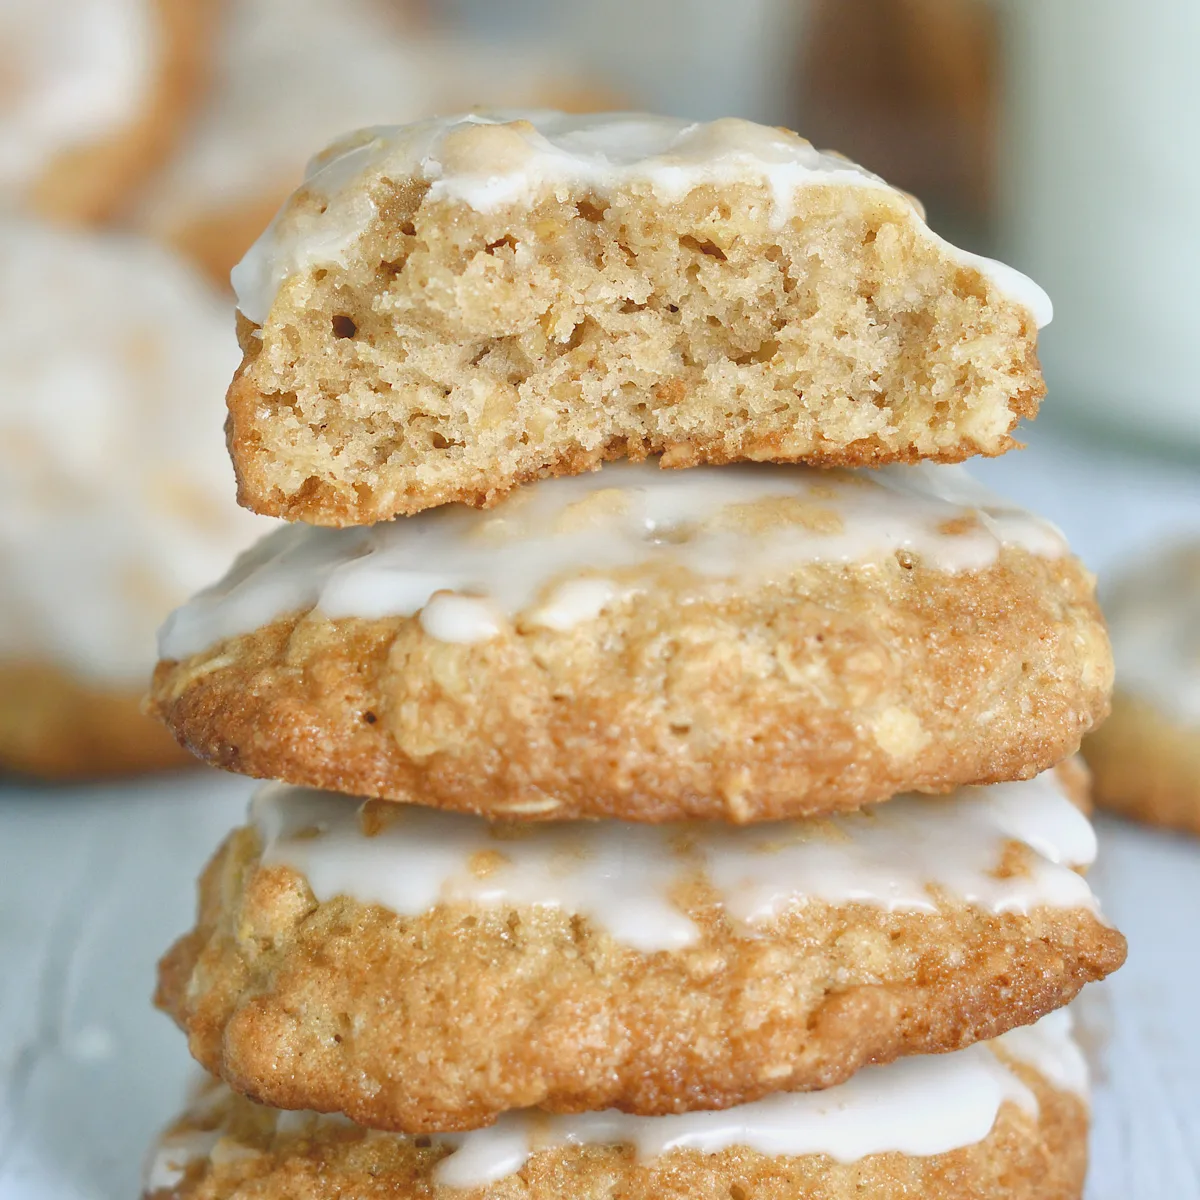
{"points": [[1006, 1118]]}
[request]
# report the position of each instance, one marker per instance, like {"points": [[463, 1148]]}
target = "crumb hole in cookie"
{"points": [[506, 241], [711, 249], [423, 1142], [632, 306], [590, 211], [440, 442], [319, 274], [737, 1192], [765, 352], [579, 333], [344, 326], [408, 229], [905, 559], [681, 728], [370, 718]]}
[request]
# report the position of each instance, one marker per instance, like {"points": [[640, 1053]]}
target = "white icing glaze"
{"points": [[621, 876], [294, 74], [551, 151], [1154, 622], [116, 495], [916, 1106], [556, 552], [73, 71], [1050, 1049]]}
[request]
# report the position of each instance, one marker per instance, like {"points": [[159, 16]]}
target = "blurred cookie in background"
{"points": [[1146, 757], [116, 495], [294, 74], [93, 96]]}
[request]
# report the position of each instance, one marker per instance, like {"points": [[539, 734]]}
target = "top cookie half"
{"points": [[448, 309]]}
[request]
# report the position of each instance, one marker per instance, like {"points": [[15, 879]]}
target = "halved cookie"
{"points": [[451, 308]]}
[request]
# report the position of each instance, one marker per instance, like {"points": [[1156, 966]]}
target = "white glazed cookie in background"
{"points": [[115, 490], [1002, 1121], [738, 642], [474, 968], [1146, 756], [448, 309], [95, 95], [291, 75]]}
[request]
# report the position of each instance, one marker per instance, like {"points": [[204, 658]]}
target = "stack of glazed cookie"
{"points": [[639, 832]]}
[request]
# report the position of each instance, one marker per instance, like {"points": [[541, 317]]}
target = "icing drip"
{"points": [[557, 552], [622, 876], [538, 151]]}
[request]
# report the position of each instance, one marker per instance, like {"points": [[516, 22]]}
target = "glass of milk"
{"points": [[1100, 203]]}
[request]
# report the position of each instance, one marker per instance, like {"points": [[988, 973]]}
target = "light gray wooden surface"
{"points": [[95, 882]]}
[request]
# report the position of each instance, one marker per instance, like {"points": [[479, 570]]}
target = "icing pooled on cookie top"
{"points": [[915, 1106], [116, 495], [1154, 620], [556, 553], [626, 878], [489, 160], [73, 72]]}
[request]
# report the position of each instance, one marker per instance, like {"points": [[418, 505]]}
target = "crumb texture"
{"points": [[455, 354]]}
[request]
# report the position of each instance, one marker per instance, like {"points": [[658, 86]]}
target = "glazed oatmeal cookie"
{"points": [[742, 643], [424, 971]]}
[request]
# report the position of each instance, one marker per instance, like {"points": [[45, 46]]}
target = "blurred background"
{"points": [[145, 143]]}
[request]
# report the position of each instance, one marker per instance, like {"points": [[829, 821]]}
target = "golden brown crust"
{"points": [[438, 367], [840, 687], [1146, 765], [55, 726], [1022, 1158], [443, 1021], [92, 182]]}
